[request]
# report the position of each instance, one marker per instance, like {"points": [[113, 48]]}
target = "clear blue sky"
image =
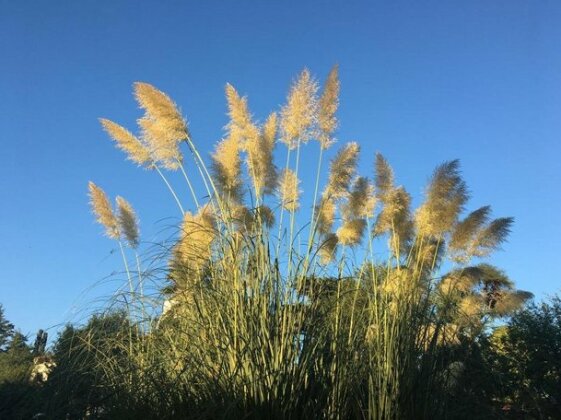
{"points": [[422, 82]]}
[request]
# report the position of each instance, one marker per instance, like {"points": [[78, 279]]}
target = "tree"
{"points": [[527, 356], [6, 330]]}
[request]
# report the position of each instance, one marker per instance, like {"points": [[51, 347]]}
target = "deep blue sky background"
{"points": [[422, 82]]}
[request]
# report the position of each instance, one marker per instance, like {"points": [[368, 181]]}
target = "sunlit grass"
{"points": [[271, 312]]}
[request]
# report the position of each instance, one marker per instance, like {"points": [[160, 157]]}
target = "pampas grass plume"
{"points": [[342, 169], [127, 142], [128, 222], [328, 104], [288, 190], [299, 114], [103, 211]]}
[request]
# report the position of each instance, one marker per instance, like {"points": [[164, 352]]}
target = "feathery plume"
{"points": [[361, 201], [461, 243], [288, 190], [511, 301], [159, 106], [341, 170], [325, 215], [328, 104], [260, 162], [456, 282], [328, 248], [396, 216], [384, 179], [445, 198], [103, 211], [428, 253], [270, 130], [163, 142], [197, 234], [226, 163], [470, 307], [128, 222], [492, 236], [237, 108], [299, 114], [163, 127], [351, 231], [253, 219], [127, 142]]}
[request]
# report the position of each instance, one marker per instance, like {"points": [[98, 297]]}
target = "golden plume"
{"points": [[328, 248], [197, 234], [103, 211], [250, 220], [361, 200], [445, 198], [326, 215], [128, 222], [395, 217], [342, 170], [237, 108], [461, 244], [300, 112], [163, 127], [384, 178], [288, 190], [127, 142], [259, 146], [328, 104], [490, 237], [351, 231], [226, 164]]}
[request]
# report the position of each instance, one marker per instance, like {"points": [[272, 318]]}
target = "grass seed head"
{"points": [[103, 211], [128, 222], [299, 114], [127, 142]]}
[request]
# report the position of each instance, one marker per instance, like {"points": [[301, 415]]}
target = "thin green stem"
{"points": [[170, 188]]}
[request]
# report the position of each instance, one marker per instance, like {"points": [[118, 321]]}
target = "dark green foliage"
{"points": [[527, 355], [79, 382], [17, 396], [6, 330]]}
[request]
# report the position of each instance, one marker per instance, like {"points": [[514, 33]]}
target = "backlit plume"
{"points": [[445, 199], [361, 200], [466, 231], [259, 148], [299, 114], [342, 170], [328, 248], [163, 127], [351, 231], [128, 222], [288, 190], [197, 234], [226, 163], [240, 118], [328, 104], [326, 215], [127, 142], [103, 211]]}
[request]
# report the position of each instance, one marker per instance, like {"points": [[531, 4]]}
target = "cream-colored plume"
{"points": [[103, 211], [299, 114], [128, 222], [289, 191], [328, 104], [127, 142], [163, 127]]}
